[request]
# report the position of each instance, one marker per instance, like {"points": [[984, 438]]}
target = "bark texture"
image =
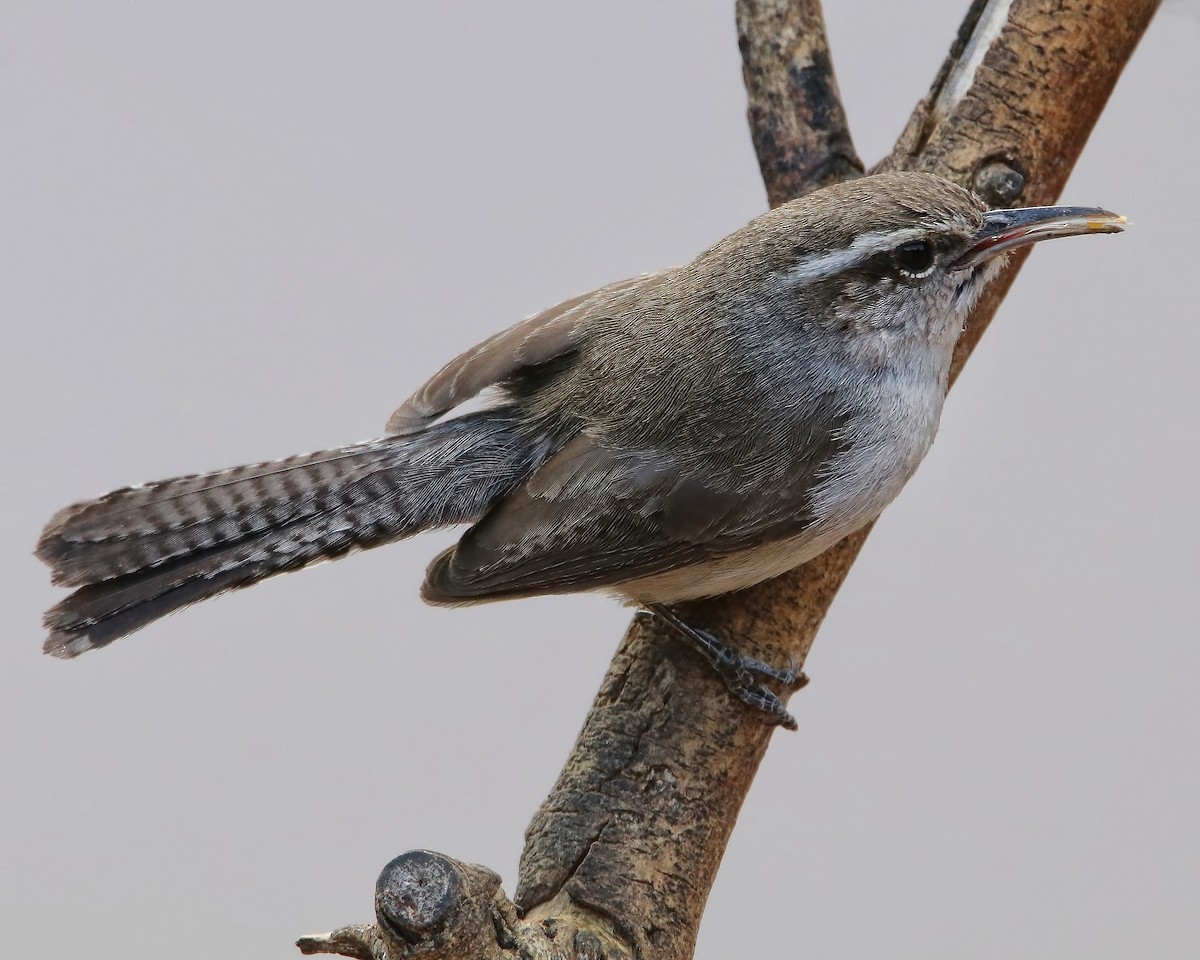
{"points": [[620, 858], [796, 117]]}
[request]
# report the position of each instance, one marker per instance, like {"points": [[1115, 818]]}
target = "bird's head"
{"points": [[899, 258]]}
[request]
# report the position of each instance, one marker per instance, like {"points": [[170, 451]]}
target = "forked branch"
{"points": [[620, 858]]}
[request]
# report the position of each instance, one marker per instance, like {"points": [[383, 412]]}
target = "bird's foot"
{"points": [[742, 674]]}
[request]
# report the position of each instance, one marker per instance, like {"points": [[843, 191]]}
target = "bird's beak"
{"points": [[1006, 229]]}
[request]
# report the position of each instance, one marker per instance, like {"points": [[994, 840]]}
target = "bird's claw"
{"points": [[742, 674]]}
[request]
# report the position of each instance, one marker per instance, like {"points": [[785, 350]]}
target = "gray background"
{"points": [[236, 231]]}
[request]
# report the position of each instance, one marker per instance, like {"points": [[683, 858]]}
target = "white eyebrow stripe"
{"points": [[817, 266]]}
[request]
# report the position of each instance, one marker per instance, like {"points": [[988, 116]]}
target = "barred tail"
{"points": [[140, 553]]}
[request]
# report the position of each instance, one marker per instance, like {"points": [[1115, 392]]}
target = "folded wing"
{"points": [[593, 516]]}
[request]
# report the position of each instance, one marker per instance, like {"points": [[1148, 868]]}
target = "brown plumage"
{"points": [[670, 436]]}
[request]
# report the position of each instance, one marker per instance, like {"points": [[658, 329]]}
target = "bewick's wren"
{"points": [[678, 435]]}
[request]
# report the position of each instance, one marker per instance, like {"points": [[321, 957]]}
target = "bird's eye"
{"points": [[914, 259]]}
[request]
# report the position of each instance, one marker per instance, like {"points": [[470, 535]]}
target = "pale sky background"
{"points": [[235, 231]]}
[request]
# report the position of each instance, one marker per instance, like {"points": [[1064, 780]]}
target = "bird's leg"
{"points": [[740, 673]]}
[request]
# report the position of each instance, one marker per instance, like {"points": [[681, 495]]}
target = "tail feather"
{"points": [[135, 527], [99, 613], [140, 553]]}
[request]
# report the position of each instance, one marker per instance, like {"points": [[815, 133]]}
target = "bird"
{"points": [[672, 436]]}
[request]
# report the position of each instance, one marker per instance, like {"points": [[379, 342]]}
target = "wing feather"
{"points": [[592, 517], [539, 339]]}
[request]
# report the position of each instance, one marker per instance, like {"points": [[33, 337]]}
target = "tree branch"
{"points": [[620, 858], [795, 112]]}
